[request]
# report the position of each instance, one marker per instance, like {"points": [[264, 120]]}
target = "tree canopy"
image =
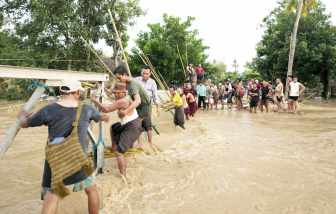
{"points": [[160, 45], [315, 51]]}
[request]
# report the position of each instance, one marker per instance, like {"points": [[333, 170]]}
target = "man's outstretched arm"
{"points": [[23, 116]]}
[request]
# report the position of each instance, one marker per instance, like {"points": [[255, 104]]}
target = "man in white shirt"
{"points": [[151, 88], [294, 89]]}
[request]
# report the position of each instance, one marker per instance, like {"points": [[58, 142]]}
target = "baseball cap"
{"points": [[71, 85]]}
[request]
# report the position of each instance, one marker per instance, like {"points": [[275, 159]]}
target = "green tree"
{"points": [[315, 52], [124, 15], [250, 73], [302, 8], [159, 44]]}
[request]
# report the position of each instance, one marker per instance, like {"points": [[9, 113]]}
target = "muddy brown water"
{"points": [[225, 162]]}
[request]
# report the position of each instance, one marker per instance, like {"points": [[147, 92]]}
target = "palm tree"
{"points": [[302, 9]]}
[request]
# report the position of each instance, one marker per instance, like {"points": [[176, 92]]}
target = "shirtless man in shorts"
{"points": [[126, 132]]}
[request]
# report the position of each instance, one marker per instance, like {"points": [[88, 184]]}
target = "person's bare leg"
{"points": [[266, 108], [211, 107], [139, 142], [255, 110], [250, 109], [262, 108], [114, 145], [149, 135], [296, 104], [50, 203], [121, 163], [187, 116], [289, 106], [222, 105], [93, 199]]}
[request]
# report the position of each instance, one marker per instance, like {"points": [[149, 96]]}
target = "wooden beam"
{"points": [[14, 72], [14, 130]]}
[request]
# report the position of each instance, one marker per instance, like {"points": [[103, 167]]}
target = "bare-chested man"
{"points": [[279, 94], [238, 95], [126, 132]]}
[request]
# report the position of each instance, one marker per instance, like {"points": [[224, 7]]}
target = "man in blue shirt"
{"points": [[201, 95]]}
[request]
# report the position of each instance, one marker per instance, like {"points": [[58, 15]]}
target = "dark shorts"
{"points": [[295, 98], [254, 103], [264, 102], [147, 122], [279, 99], [143, 110], [228, 97], [125, 135]]}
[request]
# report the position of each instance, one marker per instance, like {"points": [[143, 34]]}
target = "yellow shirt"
{"points": [[176, 98]]}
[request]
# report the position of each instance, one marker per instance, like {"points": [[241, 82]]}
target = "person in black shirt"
{"points": [[254, 93], [266, 91]]}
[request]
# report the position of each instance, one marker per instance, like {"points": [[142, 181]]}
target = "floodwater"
{"points": [[225, 162]]}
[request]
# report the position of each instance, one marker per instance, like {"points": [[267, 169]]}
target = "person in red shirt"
{"points": [[200, 72]]}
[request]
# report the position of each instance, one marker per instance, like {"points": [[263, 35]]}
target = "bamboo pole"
{"points": [[187, 53], [94, 52], [14, 130], [120, 43], [181, 61]]}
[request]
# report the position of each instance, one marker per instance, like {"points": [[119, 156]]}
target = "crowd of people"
{"points": [[68, 121]]}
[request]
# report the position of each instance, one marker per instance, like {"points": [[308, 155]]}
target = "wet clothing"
{"points": [[193, 107], [254, 99], [125, 135], [296, 98], [179, 116], [59, 120], [279, 99], [264, 102], [264, 92], [147, 122], [187, 110], [201, 99], [177, 99], [134, 87]]}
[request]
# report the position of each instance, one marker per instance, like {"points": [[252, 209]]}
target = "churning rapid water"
{"points": [[225, 162]]}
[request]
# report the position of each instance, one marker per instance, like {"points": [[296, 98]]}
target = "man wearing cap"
{"points": [[60, 117], [151, 88], [125, 132]]}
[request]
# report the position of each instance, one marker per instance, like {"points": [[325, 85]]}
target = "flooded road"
{"points": [[225, 162]]}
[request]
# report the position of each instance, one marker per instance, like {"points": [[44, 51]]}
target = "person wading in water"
{"points": [[294, 89], [176, 101], [141, 101], [126, 132], [266, 92], [68, 121], [279, 95], [254, 93], [151, 88]]}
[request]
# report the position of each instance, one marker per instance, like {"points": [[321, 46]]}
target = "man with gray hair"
{"points": [[151, 88]]}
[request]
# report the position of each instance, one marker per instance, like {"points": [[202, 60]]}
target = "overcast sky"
{"points": [[228, 27]]}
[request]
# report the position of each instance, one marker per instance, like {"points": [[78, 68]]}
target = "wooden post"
{"points": [[101, 147], [14, 130]]}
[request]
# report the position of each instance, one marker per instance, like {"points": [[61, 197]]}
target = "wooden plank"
{"points": [[14, 130], [14, 72]]}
